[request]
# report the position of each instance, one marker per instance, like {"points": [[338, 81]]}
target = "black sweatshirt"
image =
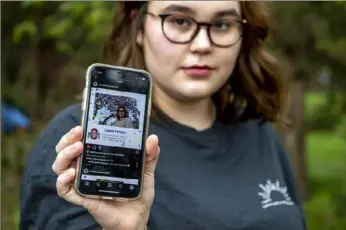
{"points": [[235, 176]]}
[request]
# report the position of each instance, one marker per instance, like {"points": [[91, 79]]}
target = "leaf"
{"points": [[34, 4], [94, 18], [24, 28], [59, 29], [64, 47], [74, 8]]}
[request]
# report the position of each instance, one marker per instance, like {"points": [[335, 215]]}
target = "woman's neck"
{"points": [[199, 115]]}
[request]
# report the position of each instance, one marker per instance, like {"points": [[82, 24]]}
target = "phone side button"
{"points": [[83, 105], [84, 98], [84, 93]]}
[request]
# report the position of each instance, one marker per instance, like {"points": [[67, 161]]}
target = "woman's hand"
{"points": [[127, 215]]}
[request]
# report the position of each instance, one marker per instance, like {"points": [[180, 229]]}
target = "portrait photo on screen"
{"points": [[116, 111]]}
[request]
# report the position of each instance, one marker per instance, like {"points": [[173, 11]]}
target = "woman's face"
{"points": [[195, 70], [121, 112]]}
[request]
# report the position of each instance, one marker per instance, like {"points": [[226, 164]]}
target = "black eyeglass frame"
{"points": [[163, 17]]}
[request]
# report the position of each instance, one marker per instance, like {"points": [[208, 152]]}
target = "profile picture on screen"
{"points": [[120, 119], [116, 111]]}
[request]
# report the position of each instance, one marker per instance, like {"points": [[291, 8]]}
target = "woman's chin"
{"points": [[196, 92], [190, 96]]}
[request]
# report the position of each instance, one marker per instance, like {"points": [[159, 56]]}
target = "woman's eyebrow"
{"points": [[179, 8], [227, 12], [188, 10]]}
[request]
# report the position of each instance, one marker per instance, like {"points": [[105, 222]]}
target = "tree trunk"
{"points": [[293, 136], [49, 64]]}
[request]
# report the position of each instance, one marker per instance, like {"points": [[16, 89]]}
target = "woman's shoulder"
{"points": [[66, 119], [267, 133], [257, 132], [259, 127], [73, 112], [62, 122]]}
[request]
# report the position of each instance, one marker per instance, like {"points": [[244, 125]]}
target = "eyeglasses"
{"points": [[181, 29]]}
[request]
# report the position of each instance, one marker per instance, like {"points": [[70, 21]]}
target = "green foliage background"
{"points": [[46, 47]]}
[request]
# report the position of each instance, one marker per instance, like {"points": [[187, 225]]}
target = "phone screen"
{"points": [[114, 132]]}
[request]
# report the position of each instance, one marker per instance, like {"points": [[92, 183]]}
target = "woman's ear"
{"points": [[139, 38]]}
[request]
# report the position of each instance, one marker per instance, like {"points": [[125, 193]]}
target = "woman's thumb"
{"points": [[152, 154]]}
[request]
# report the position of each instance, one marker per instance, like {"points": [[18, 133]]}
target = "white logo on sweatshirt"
{"points": [[273, 194]]}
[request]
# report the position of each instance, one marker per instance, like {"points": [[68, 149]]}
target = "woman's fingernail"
{"points": [[75, 130], [71, 171]]}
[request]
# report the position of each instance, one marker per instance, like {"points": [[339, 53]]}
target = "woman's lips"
{"points": [[196, 71]]}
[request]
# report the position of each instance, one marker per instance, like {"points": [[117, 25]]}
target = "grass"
{"points": [[326, 150], [315, 99], [326, 155], [326, 159]]}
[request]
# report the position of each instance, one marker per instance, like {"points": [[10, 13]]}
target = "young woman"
{"points": [[120, 119], [216, 92]]}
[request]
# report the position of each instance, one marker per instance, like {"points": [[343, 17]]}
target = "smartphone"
{"points": [[115, 119]]}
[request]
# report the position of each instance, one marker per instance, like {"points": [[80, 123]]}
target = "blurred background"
{"points": [[47, 46]]}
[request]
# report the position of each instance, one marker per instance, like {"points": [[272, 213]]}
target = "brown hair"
{"points": [[256, 88], [125, 112]]}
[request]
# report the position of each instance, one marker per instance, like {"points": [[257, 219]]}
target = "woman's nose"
{"points": [[201, 43]]}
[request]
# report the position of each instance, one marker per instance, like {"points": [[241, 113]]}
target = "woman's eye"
{"points": [[222, 25], [179, 21]]}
